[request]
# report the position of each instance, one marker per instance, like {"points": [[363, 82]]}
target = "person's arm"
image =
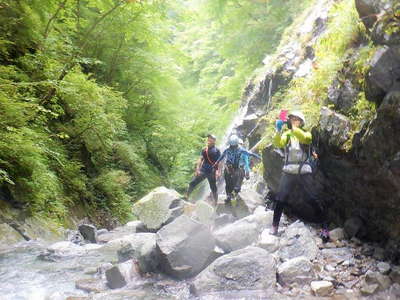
{"points": [[218, 163], [199, 164], [280, 140], [248, 153], [304, 137]]}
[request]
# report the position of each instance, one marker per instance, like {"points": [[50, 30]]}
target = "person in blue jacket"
{"points": [[233, 173]]}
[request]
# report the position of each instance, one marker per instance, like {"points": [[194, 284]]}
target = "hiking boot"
{"points": [[324, 235], [274, 230]]}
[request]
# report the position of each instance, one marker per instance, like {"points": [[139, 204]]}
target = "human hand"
{"points": [[197, 172]]}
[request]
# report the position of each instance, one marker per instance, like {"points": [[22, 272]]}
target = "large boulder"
{"points": [[185, 247], [334, 128], [158, 208], [121, 274], [243, 232], [204, 212], [89, 232], [142, 248], [297, 241], [61, 250], [251, 268], [9, 236], [384, 74], [120, 232], [296, 270]]}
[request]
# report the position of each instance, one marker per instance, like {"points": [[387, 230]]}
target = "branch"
{"points": [[47, 30]]}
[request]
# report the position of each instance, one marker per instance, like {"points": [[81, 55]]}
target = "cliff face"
{"points": [[358, 120]]}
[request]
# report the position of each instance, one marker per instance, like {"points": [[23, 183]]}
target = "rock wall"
{"points": [[359, 172]]}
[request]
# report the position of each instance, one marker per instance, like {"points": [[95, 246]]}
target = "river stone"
{"points": [[297, 241], [251, 268], [141, 247], [204, 212], [89, 232], [185, 247], [337, 255], [336, 234], [296, 270], [223, 219], [251, 199], [61, 250], [395, 274], [116, 233], [352, 226], [383, 268], [121, 274], [368, 289], [237, 235], [268, 242], [377, 278], [158, 208], [94, 285], [321, 288]]}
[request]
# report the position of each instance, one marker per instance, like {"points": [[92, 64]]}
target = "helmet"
{"points": [[240, 141], [233, 140], [298, 114]]}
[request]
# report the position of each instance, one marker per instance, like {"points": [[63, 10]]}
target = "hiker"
{"points": [[296, 170], [206, 168], [233, 172]]}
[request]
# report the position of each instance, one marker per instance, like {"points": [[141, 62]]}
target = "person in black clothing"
{"points": [[206, 168]]}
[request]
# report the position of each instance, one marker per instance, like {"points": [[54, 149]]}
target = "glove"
{"points": [[278, 125]]}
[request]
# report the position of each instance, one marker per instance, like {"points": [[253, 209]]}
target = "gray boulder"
{"points": [[296, 270], [335, 128], [89, 232], [382, 281], [395, 274], [367, 10], [185, 247], [142, 248], [91, 285], [251, 268], [159, 207], [296, 241], [384, 73], [61, 250], [268, 242], [120, 275], [337, 255], [353, 226], [204, 212]]}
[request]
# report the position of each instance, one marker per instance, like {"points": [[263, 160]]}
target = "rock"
{"points": [[117, 233], [395, 274], [93, 285], [337, 255], [204, 212], [381, 32], [90, 247], [185, 247], [141, 247], [297, 241], [369, 289], [60, 250], [243, 232], [8, 236], [383, 268], [383, 75], [251, 198], [296, 270], [268, 242], [223, 219], [158, 208], [102, 231], [379, 253], [343, 95], [334, 128], [251, 268], [382, 281], [321, 288], [89, 232], [120, 275], [336, 234], [353, 226], [367, 10]]}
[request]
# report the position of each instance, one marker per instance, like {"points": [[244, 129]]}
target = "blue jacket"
{"points": [[234, 155]]}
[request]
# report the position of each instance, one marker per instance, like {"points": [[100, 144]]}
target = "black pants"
{"points": [[287, 185], [233, 180], [211, 180]]}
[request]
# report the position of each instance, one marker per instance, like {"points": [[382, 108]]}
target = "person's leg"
{"points": [[229, 185], [285, 187], [213, 186], [239, 176], [195, 181], [312, 194]]}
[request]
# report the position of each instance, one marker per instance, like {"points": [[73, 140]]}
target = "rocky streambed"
{"points": [[181, 250]]}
